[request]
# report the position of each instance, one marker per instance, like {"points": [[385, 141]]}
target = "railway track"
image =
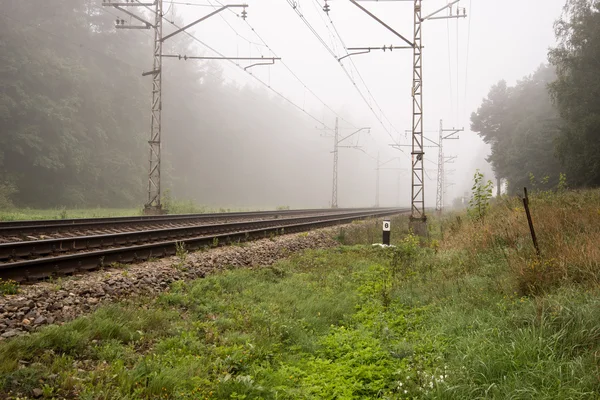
{"points": [[31, 260], [46, 229]]}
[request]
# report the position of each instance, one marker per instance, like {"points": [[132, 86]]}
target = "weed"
{"points": [[480, 197], [57, 283], [341, 236], [562, 182], [15, 214], [173, 206], [181, 253], [8, 287]]}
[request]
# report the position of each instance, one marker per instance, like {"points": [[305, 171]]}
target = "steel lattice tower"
{"points": [[334, 191], [418, 189], [153, 206]]}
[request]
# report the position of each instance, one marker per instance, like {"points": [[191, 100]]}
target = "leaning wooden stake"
{"points": [[530, 221]]}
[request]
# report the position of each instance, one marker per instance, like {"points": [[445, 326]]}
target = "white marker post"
{"points": [[386, 232]]}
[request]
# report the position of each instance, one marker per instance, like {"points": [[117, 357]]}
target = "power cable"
{"points": [[191, 4], [333, 54], [450, 68], [264, 43], [246, 71], [232, 28], [467, 60], [260, 80], [300, 80], [457, 76], [364, 83]]}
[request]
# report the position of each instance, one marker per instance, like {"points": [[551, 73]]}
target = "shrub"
{"points": [[480, 198]]}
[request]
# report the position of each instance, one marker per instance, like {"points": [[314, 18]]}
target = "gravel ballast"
{"points": [[65, 299]]}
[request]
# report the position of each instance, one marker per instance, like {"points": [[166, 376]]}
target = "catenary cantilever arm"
{"points": [[353, 133], [202, 19], [440, 10], [354, 54], [134, 16], [382, 23]]}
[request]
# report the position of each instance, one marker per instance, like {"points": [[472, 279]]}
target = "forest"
{"points": [[74, 119], [545, 130]]}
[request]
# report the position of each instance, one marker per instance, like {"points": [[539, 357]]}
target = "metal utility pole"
{"points": [[153, 205], [417, 186], [334, 193], [377, 184], [440, 174], [418, 219], [336, 147], [439, 199]]}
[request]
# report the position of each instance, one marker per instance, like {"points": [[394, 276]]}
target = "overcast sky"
{"points": [[463, 58]]}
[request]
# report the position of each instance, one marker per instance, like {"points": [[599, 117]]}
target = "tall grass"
{"points": [[17, 214], [568, 230]]}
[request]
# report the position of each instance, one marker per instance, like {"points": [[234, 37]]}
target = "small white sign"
{"points": [[386, 226]]}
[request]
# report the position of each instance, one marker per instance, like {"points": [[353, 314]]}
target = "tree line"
{"points": [[75, 116], [545, 130]]}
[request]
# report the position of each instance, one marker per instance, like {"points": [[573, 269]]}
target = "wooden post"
{"points": [[530, 221]]}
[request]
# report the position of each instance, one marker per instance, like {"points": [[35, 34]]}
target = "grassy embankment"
{"points": [[183, 207], [18, 214], [472, 313]]}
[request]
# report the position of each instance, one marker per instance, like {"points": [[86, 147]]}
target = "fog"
{"points": [[499, 40], [231, 141]]}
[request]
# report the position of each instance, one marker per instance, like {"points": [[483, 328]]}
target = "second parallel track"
{"points": [[34, 260]]}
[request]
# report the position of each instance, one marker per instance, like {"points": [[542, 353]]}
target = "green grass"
{"points": [[424, 320], [16, 214], [315, 326], [183, 207]]}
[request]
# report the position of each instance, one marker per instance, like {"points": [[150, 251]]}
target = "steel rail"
{"points": [[31, 270], [30, 227], [36, 248]]}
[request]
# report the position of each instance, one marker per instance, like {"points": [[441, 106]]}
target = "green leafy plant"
{"points": [[480, 197], [7, 190], [181, 252], [8, 286], [562, 182]]}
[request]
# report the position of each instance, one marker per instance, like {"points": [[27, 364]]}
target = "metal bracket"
{"points": [[257, 64]]}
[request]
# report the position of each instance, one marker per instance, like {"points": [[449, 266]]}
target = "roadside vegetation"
{"points": [[471, 312], [172, 206], [17, 214]]}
